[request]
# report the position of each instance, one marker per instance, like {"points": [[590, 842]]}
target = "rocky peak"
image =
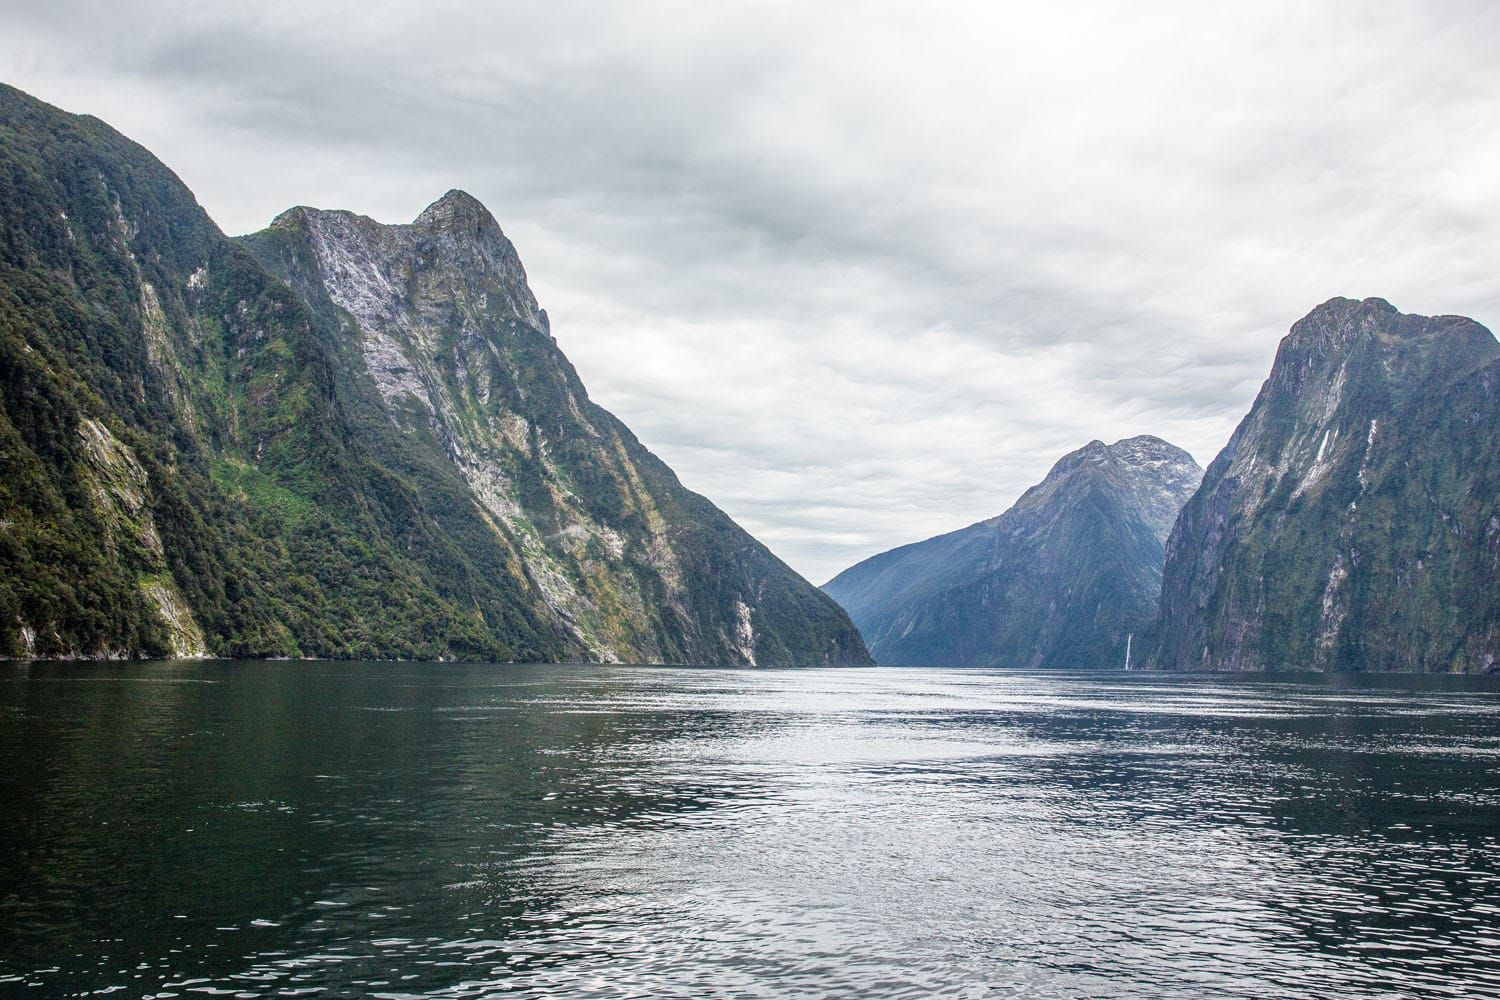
{"points": [[1143, 470], [307, 218], [1147, 450], [457, 212], [1321, 348], [1340, 313], [451, 266], [1141, 451]]}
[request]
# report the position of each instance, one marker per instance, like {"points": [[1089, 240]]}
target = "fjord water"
{"points": [[392, 830]]}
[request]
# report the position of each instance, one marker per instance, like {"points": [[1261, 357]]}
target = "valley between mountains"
{"points": [[339, 438]]}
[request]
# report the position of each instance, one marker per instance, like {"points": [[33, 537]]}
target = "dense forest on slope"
{"points": [[182, 468], [172, 440]]}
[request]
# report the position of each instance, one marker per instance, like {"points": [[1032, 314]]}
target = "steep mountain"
{"points": [[447, 360], [1061, 579], [196, 459], [1353, 520]]}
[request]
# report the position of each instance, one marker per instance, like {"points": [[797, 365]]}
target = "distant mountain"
{"points": [[1353, 520], [1061, 579], [332, 439]]}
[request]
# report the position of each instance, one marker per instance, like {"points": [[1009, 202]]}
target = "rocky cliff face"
{"points": [[1353, 520], [383, 455], [450, 348], [1062, 579]]}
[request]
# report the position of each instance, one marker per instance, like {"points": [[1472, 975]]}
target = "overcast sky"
{"points": [[859, 272]]}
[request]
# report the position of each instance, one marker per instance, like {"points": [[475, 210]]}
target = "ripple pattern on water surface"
{"points": [[439, 831]]}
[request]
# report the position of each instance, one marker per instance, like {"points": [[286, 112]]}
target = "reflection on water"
{"points": [[418, 830]]}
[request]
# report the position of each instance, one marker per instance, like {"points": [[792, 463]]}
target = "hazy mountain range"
{"points": [[1063, 578], [1351, 523]]}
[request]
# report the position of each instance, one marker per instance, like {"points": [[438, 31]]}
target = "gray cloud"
{"points": [[860, 273]]}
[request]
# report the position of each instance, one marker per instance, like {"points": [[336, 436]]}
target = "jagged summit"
{"points": [[1341, 305], [456, 209], [1141, 450], [1339, 324], [306, 215], [1148, 447], [451, 266]]}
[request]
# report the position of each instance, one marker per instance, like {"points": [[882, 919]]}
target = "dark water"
{"points": [[403, 830]]}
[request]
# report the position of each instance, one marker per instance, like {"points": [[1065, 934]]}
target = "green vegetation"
{"points": [[189, 430], [561, 474], [283, 535]]}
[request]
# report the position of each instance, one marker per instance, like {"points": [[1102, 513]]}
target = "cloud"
{"points": [[859, 273]]}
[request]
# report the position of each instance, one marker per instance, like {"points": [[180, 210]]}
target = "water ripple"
{"points": [[425, 831]]}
